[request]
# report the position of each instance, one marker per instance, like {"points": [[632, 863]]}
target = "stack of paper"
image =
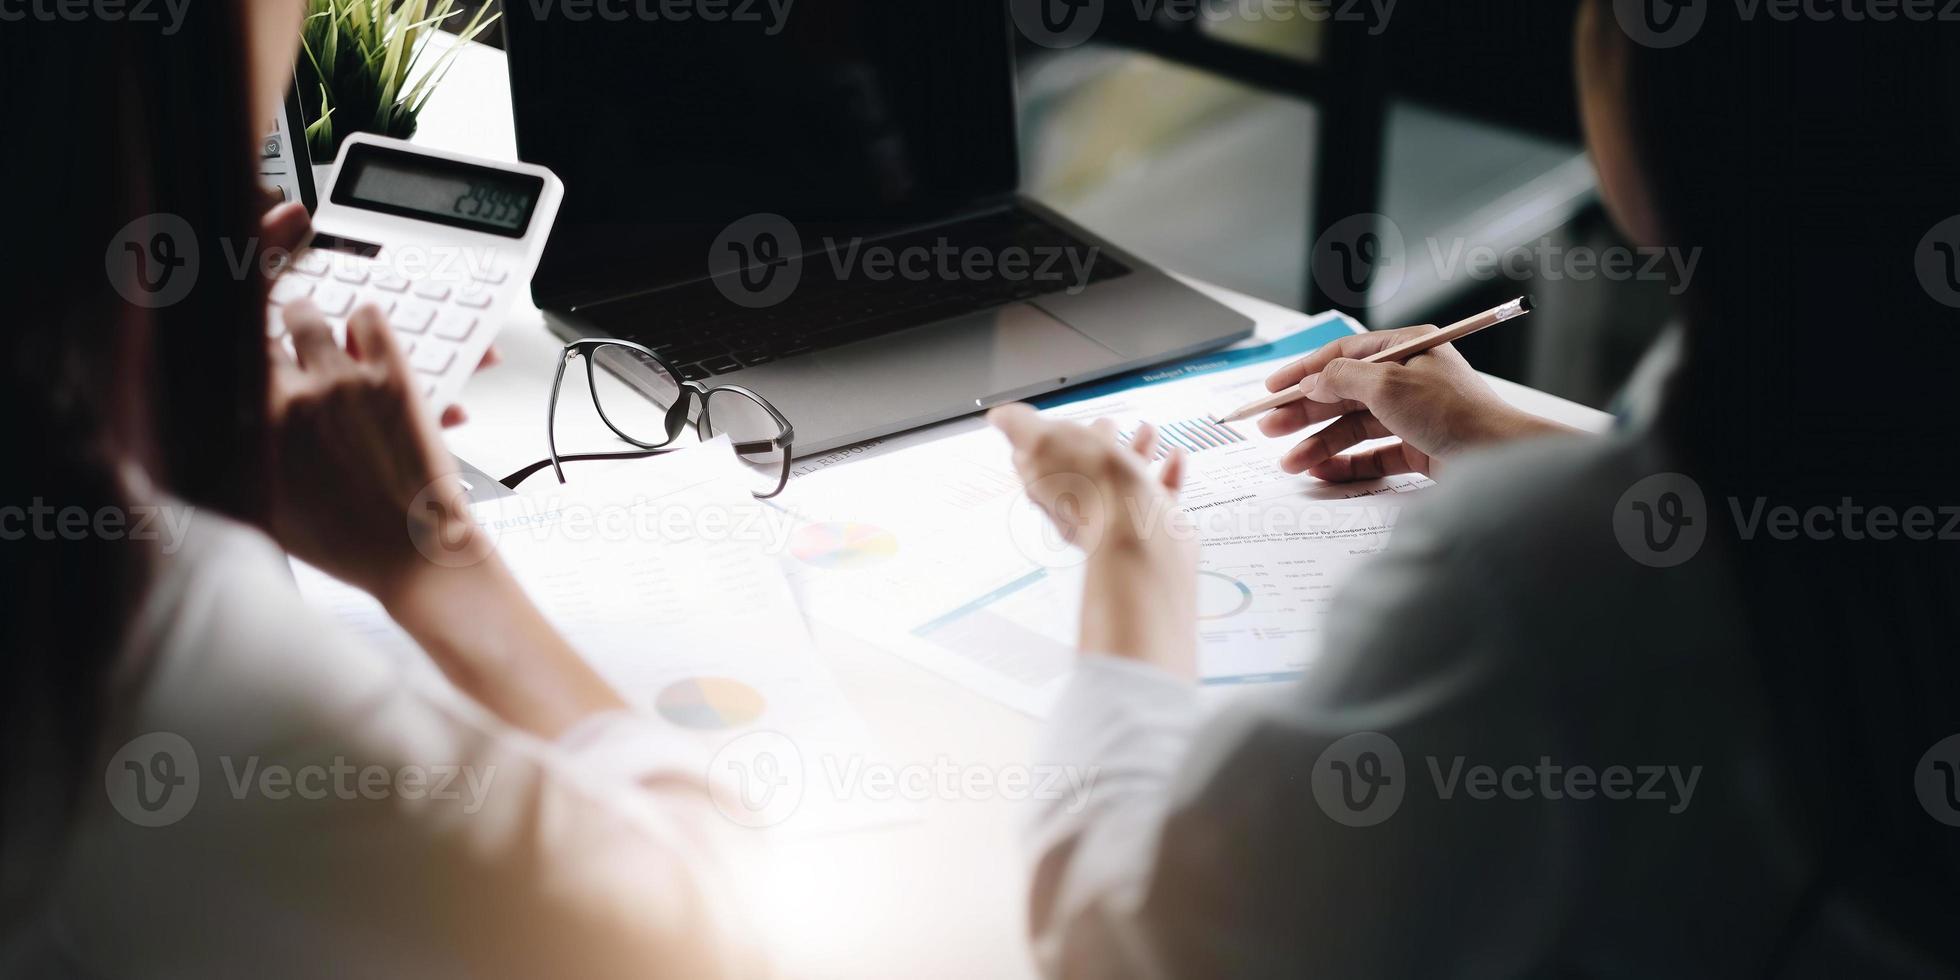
{"points": [[664, 578], [926, 545], [685, 592]]}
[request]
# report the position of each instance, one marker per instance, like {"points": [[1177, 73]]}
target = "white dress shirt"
{"points": [[350, 819], [1505, 627]]}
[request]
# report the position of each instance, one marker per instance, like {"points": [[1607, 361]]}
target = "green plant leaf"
{"points": [[363, 68]]}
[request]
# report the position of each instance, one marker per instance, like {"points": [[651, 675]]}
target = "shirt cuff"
{"points": [[1120, 714]]}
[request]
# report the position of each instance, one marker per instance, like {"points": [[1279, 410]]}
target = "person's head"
{"points": [[1806, 165], [1606, 114], [1802, 160], [134, 338]]}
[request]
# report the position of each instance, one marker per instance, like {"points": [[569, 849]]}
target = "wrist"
{"points": [[1518, 424], [448, 554], [1494, 423], [1140, 603], [478, 627]]}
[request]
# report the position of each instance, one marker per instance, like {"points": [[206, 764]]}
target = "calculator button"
{"points": [[380, 301], [313, 264], [286, 290], [334, 299], [432, 291], [494, 276], [474, 297], [353, 275], [456, 325], [390, 282], [406, 343], [413, 317], [433, 358]]}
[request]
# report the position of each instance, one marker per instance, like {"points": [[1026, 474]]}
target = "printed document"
{"points": [[926, 545], [663, 577]]}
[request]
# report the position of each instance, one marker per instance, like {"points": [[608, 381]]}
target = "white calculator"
{"points": [[442, 243]]}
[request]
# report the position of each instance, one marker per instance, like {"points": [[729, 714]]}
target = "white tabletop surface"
{"points": [[943, 896]]}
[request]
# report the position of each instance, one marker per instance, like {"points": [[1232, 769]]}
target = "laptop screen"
{"points": [[671, 119]]}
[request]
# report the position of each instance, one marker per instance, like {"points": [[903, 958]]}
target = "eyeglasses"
{"points": [[643, 400]]}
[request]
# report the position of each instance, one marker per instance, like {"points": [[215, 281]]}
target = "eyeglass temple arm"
{"points": [[551, 417], [517, 479], [556, 462]]}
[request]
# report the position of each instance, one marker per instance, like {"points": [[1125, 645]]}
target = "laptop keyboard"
{"points": [[705, 334]]}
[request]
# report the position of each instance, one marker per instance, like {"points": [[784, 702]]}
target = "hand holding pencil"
{"points": [[1374, 386], [1426, 341]]}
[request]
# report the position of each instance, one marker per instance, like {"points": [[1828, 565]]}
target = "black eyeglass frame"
{"points": [[678, 415]]}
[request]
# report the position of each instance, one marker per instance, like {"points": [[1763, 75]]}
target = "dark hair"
{"points": [[1809, 161], [109, 121]]}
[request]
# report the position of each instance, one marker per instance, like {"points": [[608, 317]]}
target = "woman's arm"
{"points": [[1139, 602], [418, 835], [1216, 850], [1237, 846], [1436, 406], [365, 492], [491, 641]]}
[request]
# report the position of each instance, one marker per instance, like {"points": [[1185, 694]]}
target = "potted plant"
{"points": [[358, 68]]}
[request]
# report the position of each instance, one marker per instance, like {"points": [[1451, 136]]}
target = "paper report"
{"points": [[926, 545], [664, 578]]}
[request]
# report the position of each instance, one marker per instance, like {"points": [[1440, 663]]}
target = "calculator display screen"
{"points": [[443, 191]]}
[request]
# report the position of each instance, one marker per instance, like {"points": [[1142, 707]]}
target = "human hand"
{"points": [[362, 483], [285, 228], [364, 491], [1140, 592], [1435, 404], [455, 415], [348, 439], [1096, 491]]}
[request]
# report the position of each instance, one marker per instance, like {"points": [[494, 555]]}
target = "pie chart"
{"points": [[710, 703], [1221, 596], [844, 547]]}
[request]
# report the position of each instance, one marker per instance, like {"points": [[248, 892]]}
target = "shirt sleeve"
{"points": [[1307, 833], [346, 819]]}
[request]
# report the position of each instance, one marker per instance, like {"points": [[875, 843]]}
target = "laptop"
{"points": [[824, 207]]}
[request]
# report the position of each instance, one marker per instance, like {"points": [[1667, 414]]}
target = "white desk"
{"points": [[943, 897]]}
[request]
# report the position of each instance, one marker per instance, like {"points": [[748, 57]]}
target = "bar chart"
{"points": [[1190, 435]]}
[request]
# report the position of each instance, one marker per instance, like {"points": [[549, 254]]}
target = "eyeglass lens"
{"points": [[634, 394], [755, 431]]}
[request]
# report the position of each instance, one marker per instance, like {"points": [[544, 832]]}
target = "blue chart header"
{"points": [[1299, 344]]}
